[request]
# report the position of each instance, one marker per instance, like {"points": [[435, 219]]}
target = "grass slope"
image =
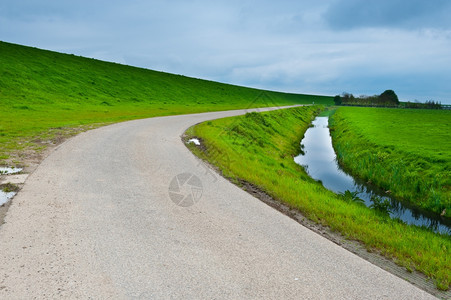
{"points": [[43, 93], [266, 143], [405, 151]]}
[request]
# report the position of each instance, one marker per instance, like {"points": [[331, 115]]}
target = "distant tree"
{"points": [[414, 104], [347, 98], [389, 97], [433, 105], [337, 100]]}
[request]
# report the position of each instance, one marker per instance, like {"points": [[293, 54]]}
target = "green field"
{"points": [[266, 144], [45, 95], [402, 150]]}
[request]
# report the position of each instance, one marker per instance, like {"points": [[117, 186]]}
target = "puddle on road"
{"points": [[195, 141], [5, 197], [9, 170]]}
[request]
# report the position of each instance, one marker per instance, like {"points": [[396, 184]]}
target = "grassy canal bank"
{"points": [[267, 142], [404, 151]]}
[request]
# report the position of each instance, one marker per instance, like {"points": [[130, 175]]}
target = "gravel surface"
{"points": [[96, 220]]}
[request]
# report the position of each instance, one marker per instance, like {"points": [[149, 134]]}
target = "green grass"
{"points": [[405, 151], [45, 94], [266, 143], [328, 111]]}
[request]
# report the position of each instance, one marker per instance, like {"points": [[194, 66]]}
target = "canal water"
{"points": [[319, 160]]}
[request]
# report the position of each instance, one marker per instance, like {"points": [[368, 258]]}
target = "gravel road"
{"points": [[96, 220]]}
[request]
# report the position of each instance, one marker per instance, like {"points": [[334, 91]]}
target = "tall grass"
{"points": [[406, 152], [266, 143]]}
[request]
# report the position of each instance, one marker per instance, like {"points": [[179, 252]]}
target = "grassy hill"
{"points": [[44, 94]]}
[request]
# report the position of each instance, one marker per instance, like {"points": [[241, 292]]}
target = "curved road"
{"points": [[95, 220]]}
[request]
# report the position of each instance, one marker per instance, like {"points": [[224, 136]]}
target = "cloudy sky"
{"points": [[318, 47]]}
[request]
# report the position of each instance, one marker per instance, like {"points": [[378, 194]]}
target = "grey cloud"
{"points": [[411, 14], [283, 46]]}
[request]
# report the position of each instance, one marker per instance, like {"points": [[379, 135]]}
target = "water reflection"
{"points": [[319, 160], [5, 197], [9, 170]]}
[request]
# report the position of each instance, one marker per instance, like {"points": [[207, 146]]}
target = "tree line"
{"points": [[387, 99], [428, 104]]}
